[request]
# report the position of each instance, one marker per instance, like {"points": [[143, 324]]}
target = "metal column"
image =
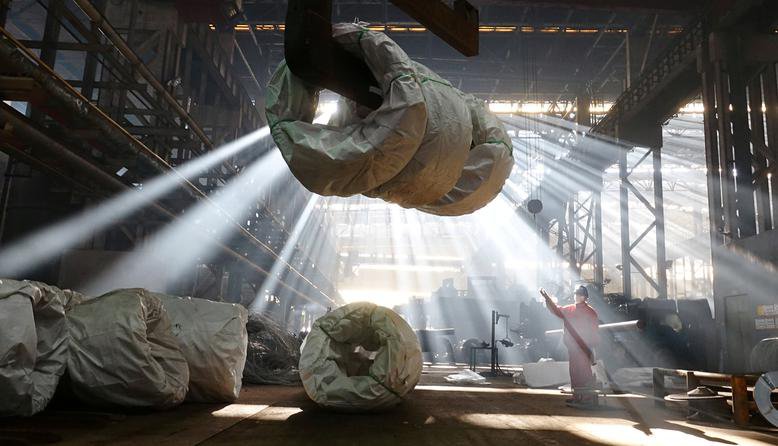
{"points": [[584, 118], [5, 5], [659, 215], [599, 275], [648, 136], [51, 32], [740, 94], [626, 270]]}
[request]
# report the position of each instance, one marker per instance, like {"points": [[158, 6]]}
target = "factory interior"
{"points": [[351, 222]]}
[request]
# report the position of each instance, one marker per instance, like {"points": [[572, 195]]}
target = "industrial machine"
{"points": [[494, 365], [635, 333]]}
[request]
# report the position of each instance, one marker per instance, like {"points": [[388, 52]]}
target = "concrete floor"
{"points": [[435, 414]]}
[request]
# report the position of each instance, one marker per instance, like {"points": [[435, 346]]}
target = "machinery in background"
{"points": [[636, 333], [672, 334], [436, 345], [456, 325], [494, 365]]}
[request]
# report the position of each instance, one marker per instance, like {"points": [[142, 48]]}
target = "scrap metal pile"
{"points": [[273, 353], [427, 146]]}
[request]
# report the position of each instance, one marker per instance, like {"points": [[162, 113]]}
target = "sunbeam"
{"points": [[34, 249], [191, 239]]}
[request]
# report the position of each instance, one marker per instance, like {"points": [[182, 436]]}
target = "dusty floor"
{"points": [[435, 414]]}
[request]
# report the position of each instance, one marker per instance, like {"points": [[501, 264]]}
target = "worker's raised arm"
{"points": [[552, 307]]}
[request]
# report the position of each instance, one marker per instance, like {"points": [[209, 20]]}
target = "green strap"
{"points": [[399, 76], [425, 79], [385, 387], [276, 124]]}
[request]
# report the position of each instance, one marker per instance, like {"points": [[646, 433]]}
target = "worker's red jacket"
{"points": [[584, 320]]}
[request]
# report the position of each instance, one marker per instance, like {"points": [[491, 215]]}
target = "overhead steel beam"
{"points": [[98, 20], [630, 5], [457, 26], [5, 5], [21, 60], [313, 55]]}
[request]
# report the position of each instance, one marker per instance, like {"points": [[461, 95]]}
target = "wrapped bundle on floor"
{"points": [[123, 352], [360, 357], [33, 344], [212, 336], [419, 149]]}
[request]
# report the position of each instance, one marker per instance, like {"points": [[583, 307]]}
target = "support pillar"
{"points": [[51, 32], [771, 115], [599, 276], [91, 62], [762, 157], [714, 179], [744, 215], [647, 135], [5, 5], [583, 114], [571, 234], [659, 215], [626, 264], [712, 155], [740, 146], [733, 142]]}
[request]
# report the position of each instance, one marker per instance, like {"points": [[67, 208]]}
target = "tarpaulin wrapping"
{"points": [[354, 159], [488, 165], [438, 162], [212, 336], [123, 352], [33, 344], [418, 149], [360, 357]]}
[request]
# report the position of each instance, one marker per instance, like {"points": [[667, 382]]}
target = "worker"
{"points": [[581, 337]]}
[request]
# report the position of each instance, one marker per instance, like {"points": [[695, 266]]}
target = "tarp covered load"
{"points": [[123, 352], [273, 353], [488, 165], [212, 336], [428, 146], [33, 344], [360, 357]]}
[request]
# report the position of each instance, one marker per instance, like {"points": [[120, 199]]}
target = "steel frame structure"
{"points": [[509, 34], [740, 92], [635, 119], [578, 235], [656, 209], [148, 98]]}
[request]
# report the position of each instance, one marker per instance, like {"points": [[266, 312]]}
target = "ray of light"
{"points": [[41, 246]]}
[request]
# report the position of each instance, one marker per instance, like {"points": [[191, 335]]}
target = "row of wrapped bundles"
{"points": [[33, 344], [130, 348]]}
